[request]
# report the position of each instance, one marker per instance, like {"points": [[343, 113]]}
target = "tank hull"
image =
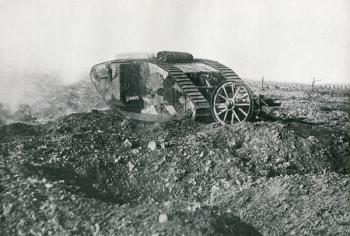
{"points": [[176, 86]]}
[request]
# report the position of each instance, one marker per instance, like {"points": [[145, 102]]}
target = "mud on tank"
{"points": [[174, 85]]}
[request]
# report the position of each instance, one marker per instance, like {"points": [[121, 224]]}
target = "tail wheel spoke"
{"points": [[219, 113], [235, 115], [225, 98], [223, 88], [232, 105], [220, 105], [241, 110]]}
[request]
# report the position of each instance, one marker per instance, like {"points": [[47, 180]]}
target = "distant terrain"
{"points": [[70, 166]]}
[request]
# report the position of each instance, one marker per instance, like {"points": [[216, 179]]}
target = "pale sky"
{"points": [[280, 40]]}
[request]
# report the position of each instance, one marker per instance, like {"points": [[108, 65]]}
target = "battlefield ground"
{"points": [[70, 166]]}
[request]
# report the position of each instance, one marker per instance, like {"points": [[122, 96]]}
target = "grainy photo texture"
{"points": [[189, 117]]}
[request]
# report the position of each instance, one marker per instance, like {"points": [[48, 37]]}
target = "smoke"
{"points": [[281, 41], [27, 87], [44, 97]]}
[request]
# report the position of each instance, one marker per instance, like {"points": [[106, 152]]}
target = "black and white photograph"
{"points": [[174, 117]]}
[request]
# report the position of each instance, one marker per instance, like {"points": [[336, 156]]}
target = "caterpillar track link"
{"points": [[224, 70], [202, 106]]}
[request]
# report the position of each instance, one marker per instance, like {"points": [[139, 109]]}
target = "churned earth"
{"points": [[94, 173]]}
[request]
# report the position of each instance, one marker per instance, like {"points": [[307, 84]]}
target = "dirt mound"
{"points": [[16, 130], [293, 205], [114, 157], [287, 176], [44, 207]]}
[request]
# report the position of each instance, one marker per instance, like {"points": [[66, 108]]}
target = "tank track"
{"points": [[224, 70], [202, 106]]}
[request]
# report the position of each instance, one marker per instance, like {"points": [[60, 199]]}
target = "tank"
{"points": [[174, 85]]}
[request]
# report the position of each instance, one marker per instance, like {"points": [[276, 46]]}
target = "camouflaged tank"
{"points": [[174, 85]]}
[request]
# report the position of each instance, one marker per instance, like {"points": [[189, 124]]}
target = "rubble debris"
{"points": [[163, 218], [127, 143], [152, 145], [207, 179]]}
